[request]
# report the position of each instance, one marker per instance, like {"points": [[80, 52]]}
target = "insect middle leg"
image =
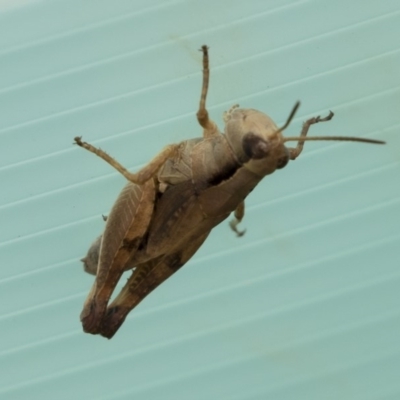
{"points": [[210, 127], [295, 152], [146, 173], [239, 214]]}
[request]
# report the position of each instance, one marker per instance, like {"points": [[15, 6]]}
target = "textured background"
{"points": [[306, 304]]}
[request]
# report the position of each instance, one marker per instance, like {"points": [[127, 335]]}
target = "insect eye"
{"points": [[254, 146]]}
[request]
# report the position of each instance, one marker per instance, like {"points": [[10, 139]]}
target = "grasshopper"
{"points": [[168, 208]]}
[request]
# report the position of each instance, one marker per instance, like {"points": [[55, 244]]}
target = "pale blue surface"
{"points": [[306, 304]]}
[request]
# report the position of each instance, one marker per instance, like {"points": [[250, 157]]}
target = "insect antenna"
{"points": [[291, 116], [339, 138], [310, 122]]}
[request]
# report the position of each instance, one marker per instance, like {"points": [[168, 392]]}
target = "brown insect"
{"points": [[167, 209]]}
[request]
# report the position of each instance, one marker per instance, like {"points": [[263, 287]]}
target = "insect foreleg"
{"points": [[295, 152]]}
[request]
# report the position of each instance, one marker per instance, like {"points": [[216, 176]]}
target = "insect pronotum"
{"points": [[168, 208]]}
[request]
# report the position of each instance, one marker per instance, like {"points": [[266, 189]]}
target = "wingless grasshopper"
{"points": [[168, 208]]}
